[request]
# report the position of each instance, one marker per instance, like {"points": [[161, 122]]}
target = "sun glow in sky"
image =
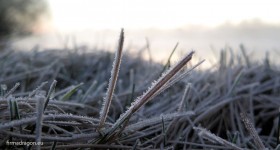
{"points": [[164, 14]]}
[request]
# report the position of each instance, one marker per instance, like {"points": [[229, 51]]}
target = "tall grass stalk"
{"points": [[140, 101], [112, 83]]}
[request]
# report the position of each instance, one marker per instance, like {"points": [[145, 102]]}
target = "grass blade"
{"points": [[215, 139], [89, 91], [12, 90], [50, 92], [140, 101], [252, 130], [167, 65], [39, 121], [67, 95], [112, 83], [37, 89]]}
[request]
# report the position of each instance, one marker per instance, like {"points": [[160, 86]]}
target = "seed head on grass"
{"points": [[112, 83]]}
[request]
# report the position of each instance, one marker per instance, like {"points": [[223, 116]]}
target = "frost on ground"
{"points": [[56, 96]]}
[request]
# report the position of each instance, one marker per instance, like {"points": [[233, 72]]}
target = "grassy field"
{"points": [[70, 99]]}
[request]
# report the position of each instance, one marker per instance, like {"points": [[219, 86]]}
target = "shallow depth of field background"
{"points": [[79, 34], [201, 25]]}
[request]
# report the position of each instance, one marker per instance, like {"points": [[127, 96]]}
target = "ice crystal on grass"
{"points": [[156, 120], [140, 101], [250, 127], [215, 95], [215, 139], [112, 82], [40, 112]]}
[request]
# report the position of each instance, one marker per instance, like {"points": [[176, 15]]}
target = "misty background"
{"points": [[201, 26]]}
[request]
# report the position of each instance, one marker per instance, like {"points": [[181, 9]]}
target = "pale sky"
{"points": [[160, 14], [201, 25]]}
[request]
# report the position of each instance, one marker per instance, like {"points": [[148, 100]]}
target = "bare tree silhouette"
{"points": [[19, 16]]}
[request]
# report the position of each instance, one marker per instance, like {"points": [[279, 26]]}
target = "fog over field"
{"points": [[257, 37], [203, 26]]}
